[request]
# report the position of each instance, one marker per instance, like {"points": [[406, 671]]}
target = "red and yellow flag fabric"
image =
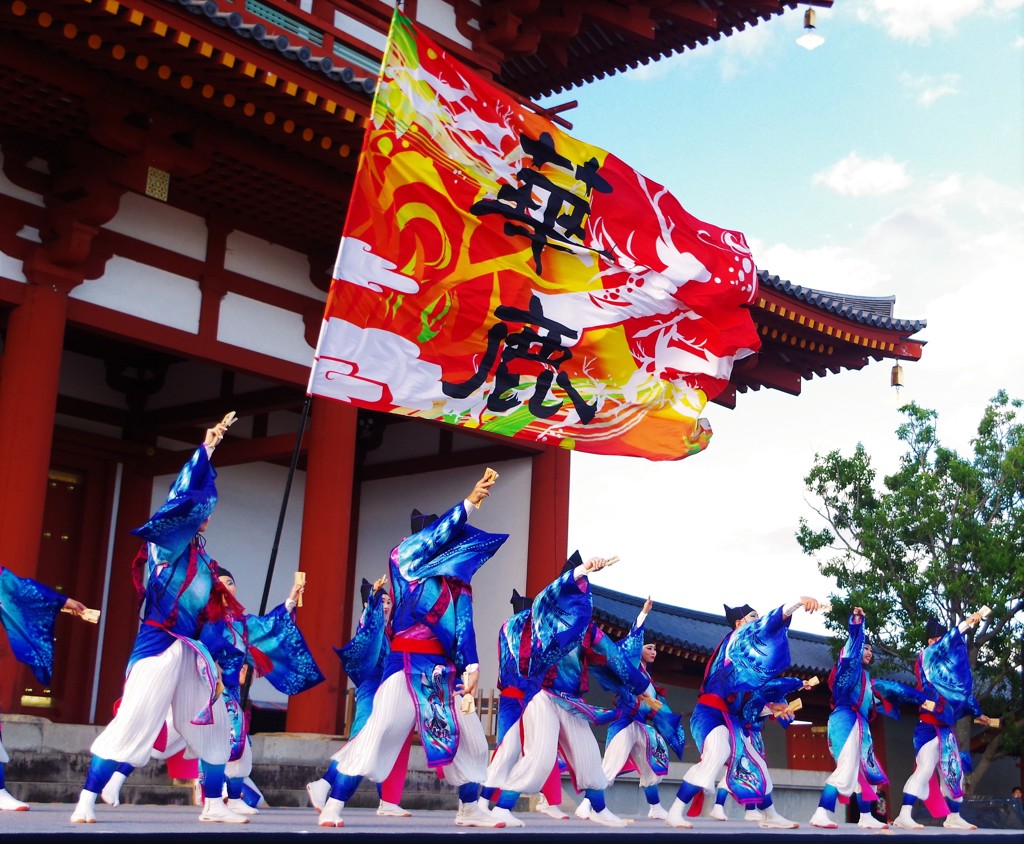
{"points": [[498, 274]]}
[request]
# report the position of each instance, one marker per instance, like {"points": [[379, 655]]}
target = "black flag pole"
{"points": [[284, 504], [280, 529]]}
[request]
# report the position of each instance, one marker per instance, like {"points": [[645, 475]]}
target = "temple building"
{"points": [[173, 180]]}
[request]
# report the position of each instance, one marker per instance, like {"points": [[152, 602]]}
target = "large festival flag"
{"points": [[498, 274]]}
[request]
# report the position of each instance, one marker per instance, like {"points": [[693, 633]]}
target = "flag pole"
{"points": [[244, 696], [284, 504]]}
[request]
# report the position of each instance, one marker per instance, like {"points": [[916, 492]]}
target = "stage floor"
{"points": [[46, 821]]}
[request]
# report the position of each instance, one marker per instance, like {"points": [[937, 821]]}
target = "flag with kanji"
{"points": [[498, 274]]}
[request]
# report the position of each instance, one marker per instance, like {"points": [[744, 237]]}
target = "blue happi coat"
{"points": [[272, 646], [745, 660], [944, 676], [531, 642], [853, 706], [567, 681], [663, 727], [27, 612], [364, 657], [752, 711], [431, 573], [180, 573]]}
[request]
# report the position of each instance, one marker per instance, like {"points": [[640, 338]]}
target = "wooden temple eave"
{"points": [[551, 46], [162, 47], [800, 341], [804, 326]]}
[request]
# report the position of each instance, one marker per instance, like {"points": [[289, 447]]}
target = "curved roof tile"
{"points": [[870, 310], [701, 632]]}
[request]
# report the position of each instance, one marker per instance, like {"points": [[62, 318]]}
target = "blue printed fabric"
{"points": [[531, 642], [430, 576], [567, 681], [190, 501], [180, 573], [430, 581], [664, 728], [744, 662], [944, 676], [853, 705], [27, 611], [364, 657], [273, 646]]}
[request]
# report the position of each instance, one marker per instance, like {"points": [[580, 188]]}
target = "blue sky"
{"points": [[887, 161]]}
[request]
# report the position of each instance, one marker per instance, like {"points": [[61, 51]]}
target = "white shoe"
{"points": [[954, 821], [318, 792], [197, 793], [498, 813], [85, 811], [676, 818], [753, 815], [821, 819], [773, 820], [215, 811], [606, 818], [656, 812], [470, 814], [718, 813], [10, 803], [871, 822], [583, 810], [331, 813], [905, 821], [546, 808], [240, 807], [111, 794], [392, 810]]}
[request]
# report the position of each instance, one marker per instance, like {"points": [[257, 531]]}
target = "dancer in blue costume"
{"points": [[758, 706], [558, 720], [530, 644], [363, 660], [272, 646], [433, 643], [755, 651], [28, 610], [645, 728], [946, 688], [169, 668], [849, 732]]}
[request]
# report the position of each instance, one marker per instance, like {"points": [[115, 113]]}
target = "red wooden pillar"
{"points": [[549, 518], [29, 375], [324, 556]]}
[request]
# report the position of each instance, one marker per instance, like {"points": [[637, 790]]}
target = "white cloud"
{"points": [[741, 51], [856, 176], [718, 528], [840, 269], [929, 89], [916, 20]]}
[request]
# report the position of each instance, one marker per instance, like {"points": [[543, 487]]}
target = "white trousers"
{"points": [[242, 766], [846, 777], [373, 752], [924, 766], [629, 743], [523, 764], [715, 755], [156, 684]]}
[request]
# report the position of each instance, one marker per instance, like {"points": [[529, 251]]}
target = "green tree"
{"points": [[942, 537]]}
